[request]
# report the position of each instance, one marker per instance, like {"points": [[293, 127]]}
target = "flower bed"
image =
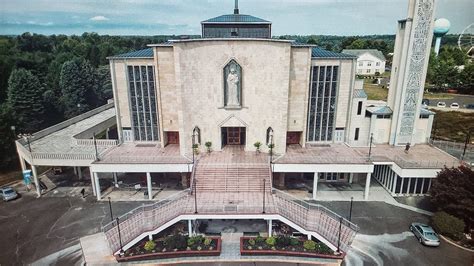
{"points": [[172, 247], [286, 246]]}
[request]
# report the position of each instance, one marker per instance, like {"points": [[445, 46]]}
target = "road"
{"points": [[32, 229], [462, 100], [385, 238]]}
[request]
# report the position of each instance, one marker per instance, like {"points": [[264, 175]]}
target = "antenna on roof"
{"points": [[236, 8]]}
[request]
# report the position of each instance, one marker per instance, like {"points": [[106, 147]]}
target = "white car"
{"points": [[441, 104], [454, 106]]}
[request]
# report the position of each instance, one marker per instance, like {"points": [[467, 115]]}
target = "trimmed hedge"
{"points": [[448, 225]]}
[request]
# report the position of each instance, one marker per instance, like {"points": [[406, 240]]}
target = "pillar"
{"points": [[351, 177], [184, 180], [280, 181], [367, 186], [315, 185], [270, 228], [148, 184], [79, 172], [75, 170], [35, 178], [150, 237], [22, 164], [107, 133], [97, 185], [190, 228], [394, 184], [92, 181], [309, 237], [115, 179]]}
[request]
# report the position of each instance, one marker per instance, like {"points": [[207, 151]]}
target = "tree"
{"points": [[7, 143], [25, 98], [453, 192], [78, 82]]}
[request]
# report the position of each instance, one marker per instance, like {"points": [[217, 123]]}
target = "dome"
{"points": [[441, 27]]}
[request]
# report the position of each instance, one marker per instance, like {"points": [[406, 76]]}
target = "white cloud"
{"points": [[99, 18]]}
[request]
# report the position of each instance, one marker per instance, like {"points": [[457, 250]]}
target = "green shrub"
{"points": [[150, 245], [207, 242], [270, 241], [195, 240], [294, 241], [252, 242], [257, 145], [282, 241], [323, 249], [259, 240], [208, 145], [448, 225], [175, 242], [309, 245]]}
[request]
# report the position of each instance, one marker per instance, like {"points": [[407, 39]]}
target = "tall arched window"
{"points": [[269, 135], [196, 135]]}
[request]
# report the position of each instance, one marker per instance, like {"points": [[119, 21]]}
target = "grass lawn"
{"points": [[374, 91], [452, 125]]}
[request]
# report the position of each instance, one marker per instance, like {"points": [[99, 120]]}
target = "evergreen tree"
{"points": [[7, 138], [25, 98], [78, 82]]}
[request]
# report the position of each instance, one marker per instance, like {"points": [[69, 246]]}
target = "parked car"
{"points": [[441, 104], [469, 106], [8, 193], [425, 102], [425, 234], [454, 106]]}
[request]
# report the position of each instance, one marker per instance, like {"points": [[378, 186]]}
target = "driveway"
{"points": [[385, 238], [32, 229]]}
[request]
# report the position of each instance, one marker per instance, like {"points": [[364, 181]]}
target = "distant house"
{"points": [[369, 61]]}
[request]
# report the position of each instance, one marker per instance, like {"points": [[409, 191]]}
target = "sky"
{"points": [[167, 17]]}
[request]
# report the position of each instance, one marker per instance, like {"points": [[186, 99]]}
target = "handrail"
{"points": [[193, 176]]}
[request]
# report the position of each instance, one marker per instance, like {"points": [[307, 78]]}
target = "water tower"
{"points": [[441, 27]]}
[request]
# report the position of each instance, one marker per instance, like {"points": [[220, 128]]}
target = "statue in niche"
{"points": [[232, 87]]}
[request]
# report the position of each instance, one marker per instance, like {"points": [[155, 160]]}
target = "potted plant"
{"points": [[271, 146], [196, 148], [208, 145], [257, 145]]}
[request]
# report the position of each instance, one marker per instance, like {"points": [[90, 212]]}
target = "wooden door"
{"points": [[173, 137], [233, 136], [293, 138]]}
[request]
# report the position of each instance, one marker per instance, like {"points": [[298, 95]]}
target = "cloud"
{"points": [[99, 18]]}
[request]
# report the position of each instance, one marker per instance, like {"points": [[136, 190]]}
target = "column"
{"points": [[190, 228], [367, 187], [35, 178], [115, 179], [148, 184], [22, 163], [184, 180], [79, 172], [75, 170], [107, 133], [97, 185], [280, 180], [270, 228], [315, 185], [351, 177], [92, 180], [394, 184]]}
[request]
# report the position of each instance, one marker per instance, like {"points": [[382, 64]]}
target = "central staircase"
{"points": [[232, 178]]}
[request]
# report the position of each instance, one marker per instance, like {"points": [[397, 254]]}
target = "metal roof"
{"points": [[145, 53], [321, 53], [360, 94], [300, 44], [359, 52], [380, 110], [424, 111], [236, 18]]}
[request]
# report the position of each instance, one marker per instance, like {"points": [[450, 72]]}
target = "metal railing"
{"points": [[316, 218], [192, 181], [99, 142], [62, 156], [403, 163]]}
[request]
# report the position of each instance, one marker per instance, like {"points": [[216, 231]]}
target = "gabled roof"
{"points": [[360, 94], [145, 53], [236, 18], [317, 52], [380, 110], [359, 52]]}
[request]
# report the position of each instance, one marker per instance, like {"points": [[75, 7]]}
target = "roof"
{"points": [[359, 52], [145, 53], [236, 18], [380, 110], [300, 44], [360, 94], [424, 111], [321, 53]]}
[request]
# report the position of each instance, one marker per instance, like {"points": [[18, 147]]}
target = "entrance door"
{"points": [[173, 137], [233, 135]]}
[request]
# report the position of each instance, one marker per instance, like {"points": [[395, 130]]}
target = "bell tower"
{"points": [[410, 63]]}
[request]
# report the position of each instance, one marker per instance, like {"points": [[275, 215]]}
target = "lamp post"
{"points": [[466, 142], [195, 197], [110, 207], [120, 236], [370, 145], [350, 210], [263, 211], [271, 146], [95, 146], [13, 130], [339, 236], [27, 138]]}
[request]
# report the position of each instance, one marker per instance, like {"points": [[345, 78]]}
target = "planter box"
{"points": [[270, 252], [174, 254]]}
